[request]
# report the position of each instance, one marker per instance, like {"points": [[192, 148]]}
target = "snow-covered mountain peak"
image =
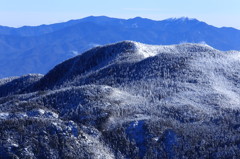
{"points": [[194, 47], [144, 50], [135, 50], [182, 19], [125, 100]]}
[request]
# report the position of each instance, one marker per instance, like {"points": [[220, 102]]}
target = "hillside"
{"points": [[37, 49], [126, 100]]}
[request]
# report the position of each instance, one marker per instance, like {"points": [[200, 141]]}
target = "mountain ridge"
{"points": [[116, 52], [62, 41], [126, 100], [107, 18]]}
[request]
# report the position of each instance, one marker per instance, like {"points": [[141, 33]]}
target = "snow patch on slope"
{"points": [[35, 113], [153, 50]]}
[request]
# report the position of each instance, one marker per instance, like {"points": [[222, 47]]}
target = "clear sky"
{"points": [[35, 12]]}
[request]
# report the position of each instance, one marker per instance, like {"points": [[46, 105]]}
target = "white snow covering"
{"points": [[124, 97], [147, 50], [21, 115], [74, 52], [101, 152], [188, 83], [153, 50], [6, 80], [29, 114], [4, 115]]}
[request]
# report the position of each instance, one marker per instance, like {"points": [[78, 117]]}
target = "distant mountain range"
{"points": [[126, 100], [37, 49]]}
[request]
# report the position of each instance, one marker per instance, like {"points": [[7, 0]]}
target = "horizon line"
{"points": [[97, 16]]}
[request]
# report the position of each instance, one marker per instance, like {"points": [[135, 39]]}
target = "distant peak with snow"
{"points": [[61, 41], [182, 19]]}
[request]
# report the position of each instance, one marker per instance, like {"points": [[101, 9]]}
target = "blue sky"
{"points": [[35, 12]]}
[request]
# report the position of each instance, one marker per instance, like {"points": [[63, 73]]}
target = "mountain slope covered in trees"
{"points": [[126, 100]]}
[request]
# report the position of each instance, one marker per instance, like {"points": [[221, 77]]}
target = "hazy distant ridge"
{"points": [[37, 49]]}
